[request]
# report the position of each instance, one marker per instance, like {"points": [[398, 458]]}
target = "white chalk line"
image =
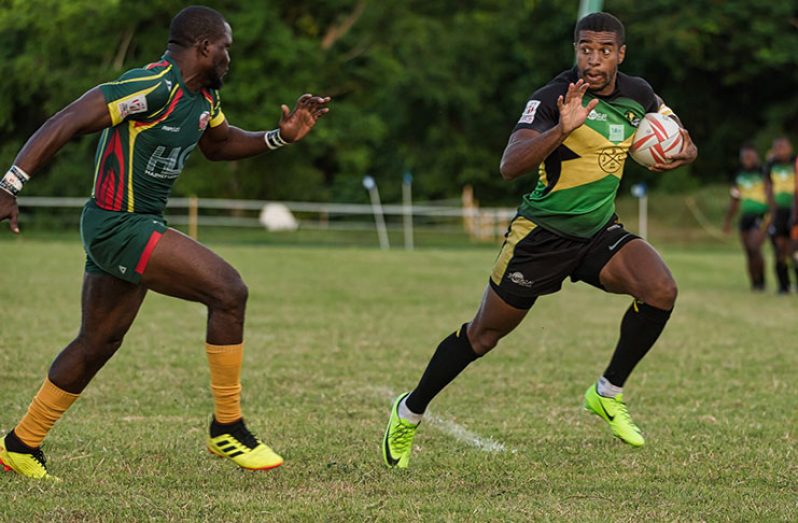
{"points": [[451, 428]]}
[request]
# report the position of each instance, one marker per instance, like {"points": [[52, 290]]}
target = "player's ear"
{"points": [[204, 47], [621, 53]]}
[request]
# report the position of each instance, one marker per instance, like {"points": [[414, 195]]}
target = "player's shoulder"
{"points": [[636, 88], [152, 73], [555, 87]]}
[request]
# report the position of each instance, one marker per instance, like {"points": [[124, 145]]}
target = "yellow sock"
{"points": [[225, 364], [47, 407]]}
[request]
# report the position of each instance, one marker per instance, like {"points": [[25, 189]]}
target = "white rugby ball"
{"points": [[656, 139]]}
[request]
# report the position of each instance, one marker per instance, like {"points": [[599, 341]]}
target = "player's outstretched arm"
{"points": [[225, 142], [87, 114], [528, 148]]}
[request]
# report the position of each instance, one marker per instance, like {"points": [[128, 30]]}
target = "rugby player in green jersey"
{"points": [[151, 119], [575, 132], [748, 195], [780, 186]]}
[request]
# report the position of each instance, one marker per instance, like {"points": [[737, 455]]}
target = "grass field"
{"points": [[332, 334]]}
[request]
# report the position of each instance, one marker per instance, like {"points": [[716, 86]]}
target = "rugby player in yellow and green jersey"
{"points": [[779, 174], [748, 194], [156, 124], [574, 133], [151, 119], [578, 181]]}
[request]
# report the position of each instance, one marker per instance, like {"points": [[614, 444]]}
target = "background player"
{"points": [[566, 227], [780, 186], [152, 118], [749, 196]]}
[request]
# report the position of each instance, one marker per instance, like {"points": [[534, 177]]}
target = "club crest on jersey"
{"points": [[137, 104], [204, 118], [611, 159], [632, 118]]}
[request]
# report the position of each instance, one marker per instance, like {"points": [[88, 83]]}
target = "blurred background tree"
{"points": [[430, 87]]}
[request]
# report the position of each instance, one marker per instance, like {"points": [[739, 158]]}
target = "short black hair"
{"points": [[747, 145], [600, 23], [194, 24]]}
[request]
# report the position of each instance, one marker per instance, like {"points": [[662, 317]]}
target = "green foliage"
{"points": [[434, 87]]}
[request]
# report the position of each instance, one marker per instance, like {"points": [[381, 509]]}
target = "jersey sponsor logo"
{"points": [[518, 279], [137, 104], [204, 118], [165, 166], [528, 116], [611, 159], [597, 116], [170, 129], [616, 132]]}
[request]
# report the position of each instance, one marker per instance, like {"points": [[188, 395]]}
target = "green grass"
{"points": [[330, 332]]}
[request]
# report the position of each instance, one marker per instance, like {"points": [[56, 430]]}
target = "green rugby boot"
{"points": [[398, 441], [615, 413]]}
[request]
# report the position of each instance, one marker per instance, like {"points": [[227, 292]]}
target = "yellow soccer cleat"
{"points": [[236, 443], [15, 456], [615, 413]]}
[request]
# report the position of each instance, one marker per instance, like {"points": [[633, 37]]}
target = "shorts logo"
{"points": [[122, 269], [528, 116], [204, 118], [615, 245], [137, 104], [519, 279], [611, 159]]}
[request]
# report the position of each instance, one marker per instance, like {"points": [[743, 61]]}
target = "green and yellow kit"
{"points": [[578, 181], [156, 124]]}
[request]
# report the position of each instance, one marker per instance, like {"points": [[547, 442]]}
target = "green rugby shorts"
{"points": [[119, 243]]}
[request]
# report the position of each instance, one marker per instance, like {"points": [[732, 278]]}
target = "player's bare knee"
{"points": [[483, 341], [231, 295], [99, 346], [663, 294]]}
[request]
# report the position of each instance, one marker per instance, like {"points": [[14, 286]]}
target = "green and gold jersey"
{"points": [[749, 188], [782, 176], [577, 182], [157, 123]]}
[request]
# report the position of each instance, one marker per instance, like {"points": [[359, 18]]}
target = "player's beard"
{"points": [[216, 76], [215, 80]]}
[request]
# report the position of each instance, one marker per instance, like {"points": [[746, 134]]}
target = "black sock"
{"points": [[640, 328], [784, 276], [450, 358]]}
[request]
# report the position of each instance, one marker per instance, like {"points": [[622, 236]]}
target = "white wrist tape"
{"points": [[13, 180], [274, 140]]}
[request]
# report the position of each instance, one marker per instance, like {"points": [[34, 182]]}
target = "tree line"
{"points": [[428, 87]]}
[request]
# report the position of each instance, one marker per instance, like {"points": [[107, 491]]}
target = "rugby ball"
{"points": [[656, 139]]}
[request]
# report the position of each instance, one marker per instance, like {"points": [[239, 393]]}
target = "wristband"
{"points": [[274, 140], [13, 180]]}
